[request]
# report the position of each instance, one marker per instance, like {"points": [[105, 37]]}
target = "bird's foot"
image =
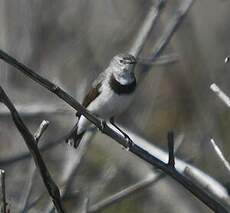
{"points": [[72, 140], [129, 142], [102, 125]]}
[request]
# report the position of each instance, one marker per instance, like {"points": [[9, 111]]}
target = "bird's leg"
{"points": [[128, 139], [102, 125]]}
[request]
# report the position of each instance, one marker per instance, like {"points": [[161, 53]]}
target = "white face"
{"points": [[123, 67]]}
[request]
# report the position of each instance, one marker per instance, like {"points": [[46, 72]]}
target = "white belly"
{"points": [[108, 104]]}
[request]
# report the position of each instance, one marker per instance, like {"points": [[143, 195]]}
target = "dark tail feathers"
{"points": [[73, 136]]}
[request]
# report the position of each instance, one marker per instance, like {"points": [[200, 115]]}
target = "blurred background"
{"points": [[70, 42]]}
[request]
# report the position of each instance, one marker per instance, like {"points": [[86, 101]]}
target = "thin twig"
{"points": [[25, 155], [179, 164], [134, 148], [220, 154], [170, 29], [41, 129], [161, 60], [3, 191], [86, 205], [153, 179], [146, 27], [171, 161], [31, 144], [125, 193], [226, 60], [220, 94], [72, 170], [36, 109], [72, 195]]}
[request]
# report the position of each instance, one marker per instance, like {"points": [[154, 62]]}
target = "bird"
{"points": [[110, 95]]}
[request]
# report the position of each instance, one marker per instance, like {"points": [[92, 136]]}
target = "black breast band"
{"points": [[121, 89]]}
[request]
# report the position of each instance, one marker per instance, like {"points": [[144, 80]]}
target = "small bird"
{"points": [[110, 95]]}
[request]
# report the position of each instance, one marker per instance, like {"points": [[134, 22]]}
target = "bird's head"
{"points": [[122, 67]]}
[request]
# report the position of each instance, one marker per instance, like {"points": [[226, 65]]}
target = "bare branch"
{"points": [[134, 148], [146, 27], [25, 155], [125, 193], [31, 144], [220, 154], [161, 60], [193, 176], [113, 199], [226, 60], [170, 29], [36, 109], [3, 191], [86, 205], [72, 168], [42, 128], [220, 94]]}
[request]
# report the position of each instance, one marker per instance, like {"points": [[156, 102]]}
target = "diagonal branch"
{"points": [[220, 155], [125, 193], [220, 94], [161, 60], [146, 27], [141, 185], [25, 155], [31, 144], [72, 168], [170, 29], [134, 148]]}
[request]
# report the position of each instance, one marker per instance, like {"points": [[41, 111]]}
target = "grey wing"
{"points": [[99, 79]]}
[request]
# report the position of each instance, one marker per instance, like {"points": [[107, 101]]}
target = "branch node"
{"points": [[55, 88], [226, 60], [171, 160], [102, 126], [41, 129]]}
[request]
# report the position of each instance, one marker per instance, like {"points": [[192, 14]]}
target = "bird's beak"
{"points": [[133, 62]]}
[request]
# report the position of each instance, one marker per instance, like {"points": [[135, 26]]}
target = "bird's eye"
{"points": [[121, 61]]}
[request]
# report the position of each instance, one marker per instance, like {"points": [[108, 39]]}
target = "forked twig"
{"points": [[72, 170], [143, 184], [134, 148], [31, 144], [170, 29], [220, 155]]}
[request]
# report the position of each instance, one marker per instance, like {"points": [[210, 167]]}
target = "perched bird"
{"points": [[110, 94]]}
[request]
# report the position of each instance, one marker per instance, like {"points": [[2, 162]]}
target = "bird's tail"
{"points": [[73, 137]]}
